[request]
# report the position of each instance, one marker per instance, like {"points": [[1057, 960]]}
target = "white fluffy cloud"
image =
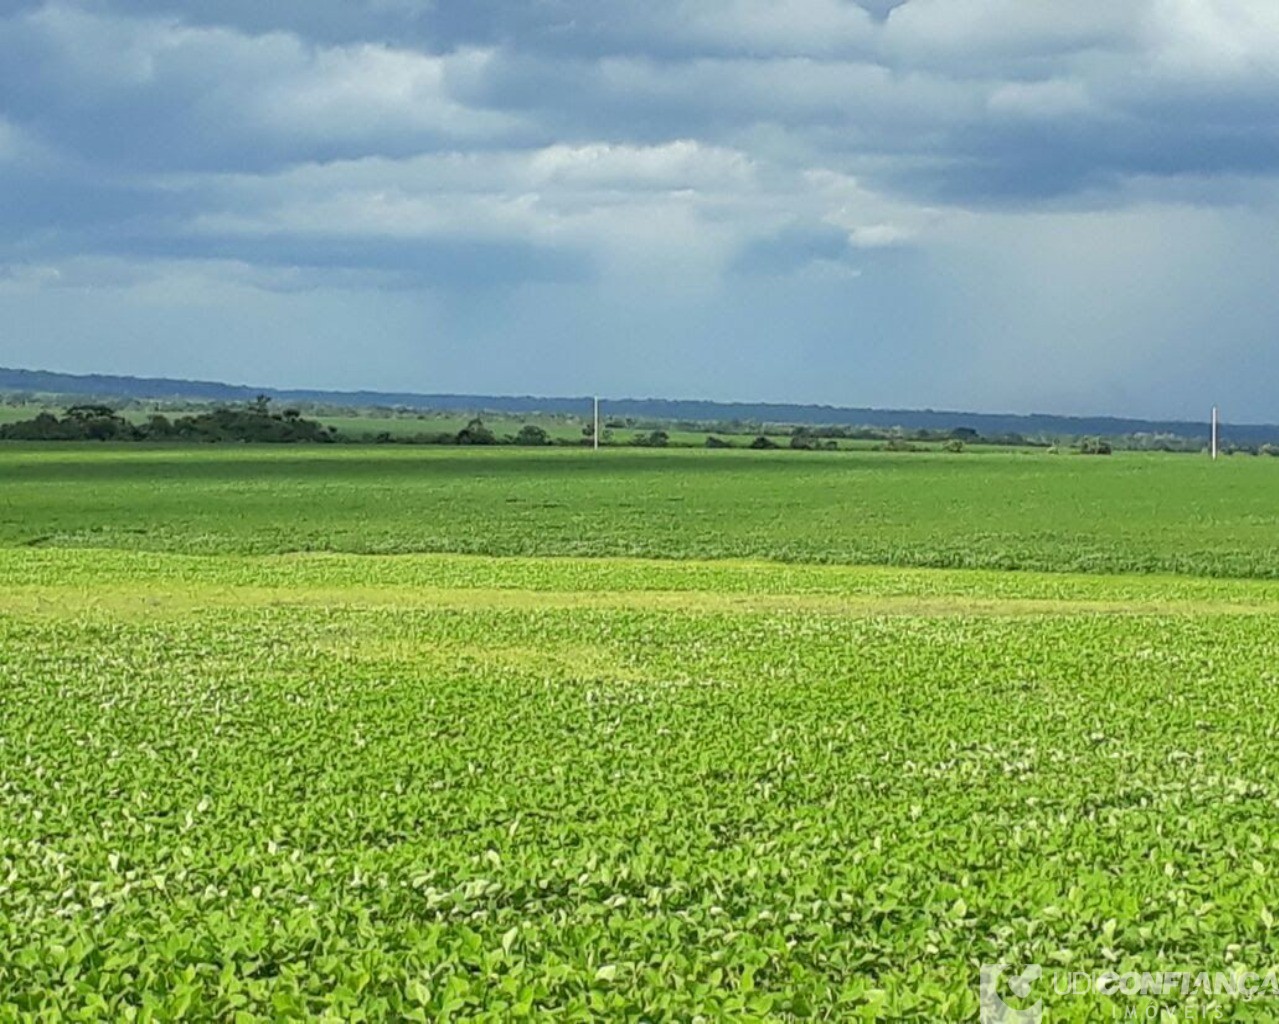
{"points": [[179, 93], [1214, 39], [682, 205], [966, 35]]}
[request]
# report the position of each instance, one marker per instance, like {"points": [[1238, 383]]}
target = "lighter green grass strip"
{"points": [[61, 582]]}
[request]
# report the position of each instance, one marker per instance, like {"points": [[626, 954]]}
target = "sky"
{"points": [[991, 205]]}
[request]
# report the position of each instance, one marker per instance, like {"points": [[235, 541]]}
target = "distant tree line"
{"points": [[253, 422], [750, 420], [530, 435], [257, 422]]}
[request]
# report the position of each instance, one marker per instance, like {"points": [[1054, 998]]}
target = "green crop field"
{"points": [[386, 733], [1019, 509], [14, 413]]}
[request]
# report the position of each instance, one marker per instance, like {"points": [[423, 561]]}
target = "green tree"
{"points": [[475, 432]]}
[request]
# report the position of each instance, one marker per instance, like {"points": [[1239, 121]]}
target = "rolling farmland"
{"points": [[1007, 510], [384, 734]]}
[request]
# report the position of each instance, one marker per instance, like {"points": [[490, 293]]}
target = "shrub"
{"points": [[476, 432], [532, 435]]}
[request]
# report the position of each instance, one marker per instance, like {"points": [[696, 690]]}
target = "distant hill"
{"points": [[986, 424]]}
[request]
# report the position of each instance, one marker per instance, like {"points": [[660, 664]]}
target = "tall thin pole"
{"points": [[596, 433], [1215, 421]]}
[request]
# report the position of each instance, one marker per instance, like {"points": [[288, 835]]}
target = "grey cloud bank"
{"points": [[947, 203]]}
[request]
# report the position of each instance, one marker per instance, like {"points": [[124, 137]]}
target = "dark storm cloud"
{"points": [[1028, 104]]}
